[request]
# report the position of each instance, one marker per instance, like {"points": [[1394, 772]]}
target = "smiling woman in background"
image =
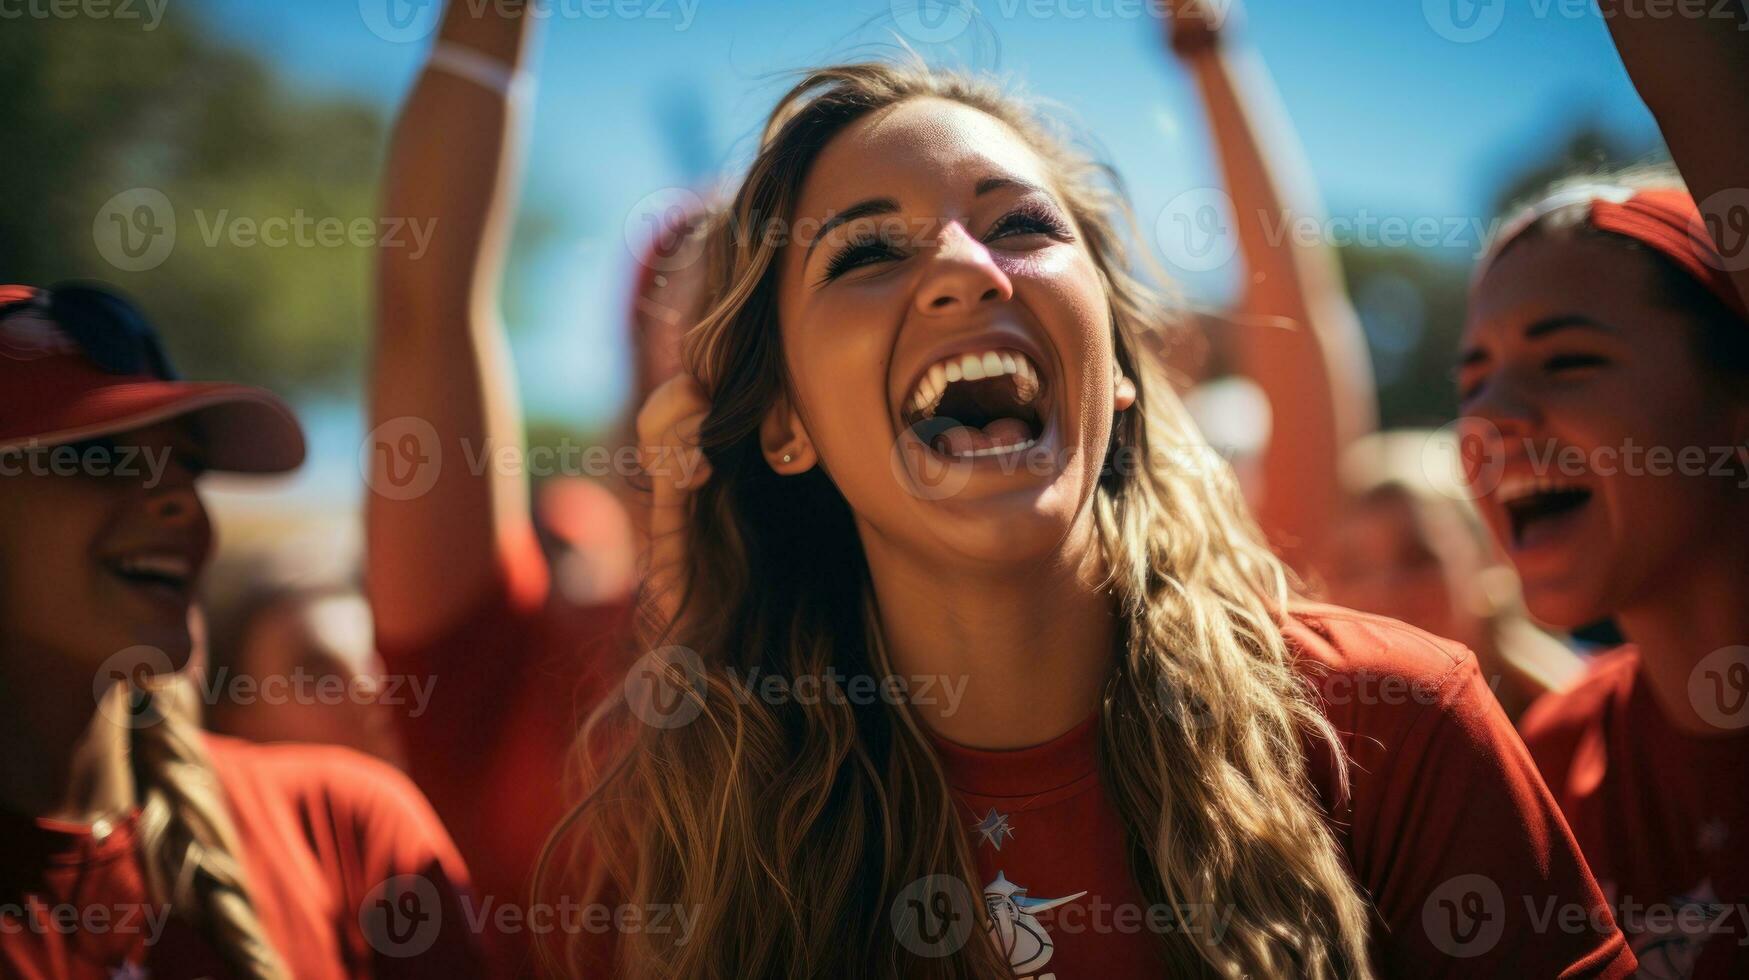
{"points": [[180, 854]]}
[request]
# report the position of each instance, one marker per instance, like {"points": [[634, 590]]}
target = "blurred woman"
{"points": [[134, 844], [1409, 544], [1601, 348], [1606, 365], [939, 467]]}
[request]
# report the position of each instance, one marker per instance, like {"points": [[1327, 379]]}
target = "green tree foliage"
{"points": [[94, 107]]}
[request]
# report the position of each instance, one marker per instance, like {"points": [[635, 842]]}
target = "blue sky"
{"points": [[1401, 112]]}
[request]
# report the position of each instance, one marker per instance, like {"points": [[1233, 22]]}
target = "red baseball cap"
{"points": [[78, 361]]}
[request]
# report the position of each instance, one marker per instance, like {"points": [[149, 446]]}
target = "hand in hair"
{"points": [[668, 451]]}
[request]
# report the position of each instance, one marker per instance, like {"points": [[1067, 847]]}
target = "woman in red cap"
{"points": [[132, 844], [1606, 371]]}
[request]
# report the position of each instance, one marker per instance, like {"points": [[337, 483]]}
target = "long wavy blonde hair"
{"points": [[791, 829]]}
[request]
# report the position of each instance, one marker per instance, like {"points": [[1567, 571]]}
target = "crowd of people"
{"points": [[930, 639]]}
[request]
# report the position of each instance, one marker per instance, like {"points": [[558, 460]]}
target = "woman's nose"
{"points": [[961, 275]]}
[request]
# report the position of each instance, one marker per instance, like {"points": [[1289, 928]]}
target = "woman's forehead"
{"points": [[917, 152]]}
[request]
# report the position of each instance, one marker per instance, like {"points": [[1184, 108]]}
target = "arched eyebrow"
{"points": [[1556, 324], [989, 184], [861, 209], [1542, 330]]}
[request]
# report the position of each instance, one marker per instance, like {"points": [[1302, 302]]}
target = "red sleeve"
{"points": [[346, 860], [409, 886], [1470, 866]]}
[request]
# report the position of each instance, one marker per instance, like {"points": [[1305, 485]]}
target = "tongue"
{"points": [[963, 440]]}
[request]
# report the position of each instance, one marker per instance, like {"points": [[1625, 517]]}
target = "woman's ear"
{"points": [[783, 438]]}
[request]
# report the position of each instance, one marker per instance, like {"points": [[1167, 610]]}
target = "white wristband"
{"points": [[481, 69]]}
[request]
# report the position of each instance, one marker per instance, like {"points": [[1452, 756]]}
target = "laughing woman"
{"points": [[131, 843], [937, 461]]}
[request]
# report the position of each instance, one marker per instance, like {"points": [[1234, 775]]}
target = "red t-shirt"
{"points": [[513, 678], [349, 871], [1448, 830], [1662, 815]]}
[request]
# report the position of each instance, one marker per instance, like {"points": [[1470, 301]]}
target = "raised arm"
{"points": [[1298, 337], [441, 356], [1693, 72]]}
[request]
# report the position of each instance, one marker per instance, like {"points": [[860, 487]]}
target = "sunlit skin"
{"points": [[992, 582], [66, 611], [1567, 346]]}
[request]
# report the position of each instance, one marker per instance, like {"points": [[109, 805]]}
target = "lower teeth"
{"points": [[997, 450]]}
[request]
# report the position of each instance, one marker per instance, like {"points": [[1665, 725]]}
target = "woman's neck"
{"points": [[1685, 622], [66, 755], [1006, 658]]}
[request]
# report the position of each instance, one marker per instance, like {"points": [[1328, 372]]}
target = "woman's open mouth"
{"points": [[977, 405], [1540, 509]]}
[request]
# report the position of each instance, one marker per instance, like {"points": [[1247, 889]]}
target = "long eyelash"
{"points": [[848, 257], [1040, 216]]}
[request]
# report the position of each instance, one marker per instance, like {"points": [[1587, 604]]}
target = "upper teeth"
{"points": [[1515, 488], [169, 566], [975, 367]]}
